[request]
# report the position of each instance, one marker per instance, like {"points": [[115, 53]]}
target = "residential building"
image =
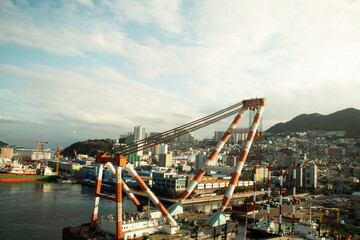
{"points": [[231, 160], [163, 148], [262, 174], [355, 204], [165, 159], [286, 158], [6, 152], [169, 184], [310, 176], [139, 134]]}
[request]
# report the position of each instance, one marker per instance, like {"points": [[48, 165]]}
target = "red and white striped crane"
{"points": [[118, 161]]}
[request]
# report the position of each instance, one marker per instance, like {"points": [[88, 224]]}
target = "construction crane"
{"points": [[119, 161], [43, 146], [58, 158], [37, 141]]}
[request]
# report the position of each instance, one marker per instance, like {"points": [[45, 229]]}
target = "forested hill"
{"points": [[345, 120], [89, 147]]}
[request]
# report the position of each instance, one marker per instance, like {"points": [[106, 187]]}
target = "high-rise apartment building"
{"points": [[310, 176], [139, 134], [286, 158], [163, 148]]}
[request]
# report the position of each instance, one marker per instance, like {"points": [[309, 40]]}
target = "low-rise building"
{"points": [[355, 204], [169, 184], [6, 153]]}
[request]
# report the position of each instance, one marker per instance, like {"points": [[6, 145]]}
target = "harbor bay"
{"points": [[40, 210]]}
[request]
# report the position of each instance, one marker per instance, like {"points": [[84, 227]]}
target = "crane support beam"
{"points": [[126, 189], [243, 155], [150, 194], [252, 104]]}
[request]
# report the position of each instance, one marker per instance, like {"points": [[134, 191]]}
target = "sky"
{"points": [[83, 69]]}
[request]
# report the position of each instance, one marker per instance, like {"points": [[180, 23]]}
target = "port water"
{"points": [[41, 210]]}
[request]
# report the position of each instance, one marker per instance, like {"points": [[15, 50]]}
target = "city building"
{"points": [[169, 184], [139, 134], [165, 159], [286, 158], [163, 148], [231, 160], [333, 152], [187, 138], [355, 204], [262, 174], [40, 156], [202, 157], [310, 176], [6, 153]]}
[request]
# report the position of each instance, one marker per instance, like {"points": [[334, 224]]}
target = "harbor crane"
{"points": [[118, 158]]}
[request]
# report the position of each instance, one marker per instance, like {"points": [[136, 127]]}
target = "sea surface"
{"points": [[40, 210]]}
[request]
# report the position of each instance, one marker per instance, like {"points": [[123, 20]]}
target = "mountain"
{"points": [[2, 144], [345, 120], [89, 147]]}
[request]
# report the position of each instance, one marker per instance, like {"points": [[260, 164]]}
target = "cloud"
{"points": [[164, 63], [79, 96]]}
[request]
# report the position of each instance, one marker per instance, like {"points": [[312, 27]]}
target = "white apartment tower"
{"points": [[139, 134], [310, 176]]}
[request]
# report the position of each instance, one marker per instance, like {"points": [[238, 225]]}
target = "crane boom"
{"points": [[186, 128]]}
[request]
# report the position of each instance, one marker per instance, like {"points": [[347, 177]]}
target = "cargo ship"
{"points": [[20, 173]]}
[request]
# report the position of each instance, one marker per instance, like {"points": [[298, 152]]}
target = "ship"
{"points": [[264, 229], [309, 230], [138, 224], [19, 173]]}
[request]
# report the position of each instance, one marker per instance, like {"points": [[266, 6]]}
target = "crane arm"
{"points": [[186, 128]]}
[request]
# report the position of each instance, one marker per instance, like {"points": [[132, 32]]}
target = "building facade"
{"points": [[7, 153], [310, 176], [165, 159]]}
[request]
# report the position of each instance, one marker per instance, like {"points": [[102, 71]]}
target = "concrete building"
{"points": [[139, 134], [40, 156], [333, 152], [169, 184], [165, 159], [187, 138], [286, 158], [7, 152], [355, 204], [200, 159], [231, 160], [261, 174], [310, 176], [163, 148]]}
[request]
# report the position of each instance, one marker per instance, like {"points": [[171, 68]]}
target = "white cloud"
{"points": [[304, 56], [80, 96]]}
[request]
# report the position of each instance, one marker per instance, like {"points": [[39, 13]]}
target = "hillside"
{"points": [[2, 144], [89, 147], [345, 120]]}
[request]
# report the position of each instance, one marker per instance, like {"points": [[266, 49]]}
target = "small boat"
{"points": [[68, 181]]}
